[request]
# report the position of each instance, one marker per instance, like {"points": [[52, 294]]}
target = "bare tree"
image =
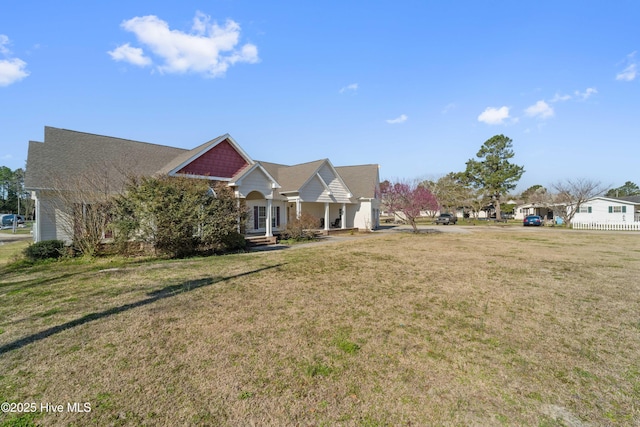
{"points": [[540, 197], [79, 203], [476, 201], [450, 192], [571, 194]]}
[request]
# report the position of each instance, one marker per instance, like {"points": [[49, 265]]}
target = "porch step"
{"points": [[260, 240]]}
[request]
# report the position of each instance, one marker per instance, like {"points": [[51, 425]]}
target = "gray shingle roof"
{"points": [[632, 199], [272, 168], [362, 180], [66, 158], [292, 178]]}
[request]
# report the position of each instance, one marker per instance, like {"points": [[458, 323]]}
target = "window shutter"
{"points": [[624, 209], [255, 217], [277, 216], [589, 209], [610, 209]]}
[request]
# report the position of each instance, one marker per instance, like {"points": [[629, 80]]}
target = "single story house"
{"points": [[70, 161], [603, 210], [543, 210]]}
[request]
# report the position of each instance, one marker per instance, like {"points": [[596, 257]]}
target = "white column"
{"points": [[269, 232], [298, 208], [343, 217], [36, 234], [326, 216], [238, 218]]}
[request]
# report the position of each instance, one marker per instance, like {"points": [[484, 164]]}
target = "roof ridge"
{"points": [[114, 137], [308, 163]]}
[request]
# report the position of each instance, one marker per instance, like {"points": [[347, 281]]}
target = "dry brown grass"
{"points": [[499, 326]]}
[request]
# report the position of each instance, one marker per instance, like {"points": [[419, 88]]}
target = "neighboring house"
{"points": [[70, 161], [603, 210], [542, 210]]}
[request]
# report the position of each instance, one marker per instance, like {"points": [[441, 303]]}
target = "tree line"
{"points": [[13, 197]]}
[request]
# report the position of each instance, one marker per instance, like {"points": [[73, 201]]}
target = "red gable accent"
{"points": [[221, 161]]}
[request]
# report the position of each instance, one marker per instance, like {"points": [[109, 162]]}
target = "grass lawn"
{"points": [[512, 326]]}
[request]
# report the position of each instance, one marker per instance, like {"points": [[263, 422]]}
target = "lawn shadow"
{"points": [[39, 282], [166, 292]]}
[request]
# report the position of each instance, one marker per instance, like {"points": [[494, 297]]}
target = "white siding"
{"points": [[600, 212], [53, 222], [340, 193], [255, 181], [314, 191], [364, 216]]}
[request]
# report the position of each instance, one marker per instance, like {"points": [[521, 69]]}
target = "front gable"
{"points": [[222, 160], [257, 179], [336, 185], [325, 185]]}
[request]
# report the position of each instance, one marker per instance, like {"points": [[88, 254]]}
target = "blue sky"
{"points": [[415, 86]]}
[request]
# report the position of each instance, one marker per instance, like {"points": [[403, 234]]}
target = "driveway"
{"points": [[403, 228]]}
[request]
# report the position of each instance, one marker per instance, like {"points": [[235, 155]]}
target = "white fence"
{"points": [[608, 226]]}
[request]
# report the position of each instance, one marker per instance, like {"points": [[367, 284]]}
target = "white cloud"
{"points": [[628, 74], [11, 69], [401, 119], [132, 55], [586, 94], [353, 87], [494, 116], [631, 70], [540, 109], [209, 49], [448, 108], [4, 40], [557, 98]]}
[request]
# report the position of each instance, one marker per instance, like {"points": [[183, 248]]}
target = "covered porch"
{"points": [[268, 217], [331, 215]]}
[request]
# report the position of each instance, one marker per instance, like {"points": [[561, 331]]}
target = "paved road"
{"points": [[8, 236]]}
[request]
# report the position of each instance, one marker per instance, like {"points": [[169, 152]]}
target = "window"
{"points": [[617, 209], [262, 217], [585, 209], [259, 217]]}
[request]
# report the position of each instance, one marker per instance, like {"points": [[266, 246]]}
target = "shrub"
{"points": [[234, 241], [178, 216], [45, 250], [302, 228]]}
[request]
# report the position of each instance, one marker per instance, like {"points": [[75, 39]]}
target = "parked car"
{"points": [[7, 220], [532, 220], [446, 219]]}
